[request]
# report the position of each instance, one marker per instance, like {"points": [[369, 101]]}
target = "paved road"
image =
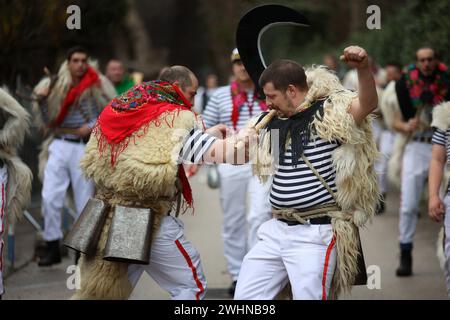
{"points": [[203, 229]]}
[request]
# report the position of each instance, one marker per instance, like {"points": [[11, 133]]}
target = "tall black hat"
{"points": [[250, 30]]}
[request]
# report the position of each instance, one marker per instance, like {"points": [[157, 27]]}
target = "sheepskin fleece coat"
{"points": [[12, 134], [146, 169], [102, 95], [354, 160], [441, 121]]}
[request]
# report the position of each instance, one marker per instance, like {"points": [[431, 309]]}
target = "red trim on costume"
{"points": [[325, 267], [186, 187], [89, 79], [2, 213], [194, 270], [239, 97]]}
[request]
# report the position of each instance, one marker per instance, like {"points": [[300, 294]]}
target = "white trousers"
{"points": [[62, 170], [239, 232], [174, 263], [416, 162], [303, 254], [381, 166], [3, 181], [447, 242]]}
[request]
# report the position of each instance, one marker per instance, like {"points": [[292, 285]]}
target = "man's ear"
{"points": [[291, 91]]}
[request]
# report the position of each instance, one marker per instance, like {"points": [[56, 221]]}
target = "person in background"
{"points": [[205, 93], [115, 72]]}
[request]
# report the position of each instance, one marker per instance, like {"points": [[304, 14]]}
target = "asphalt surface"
{"points": [[25, 280]]}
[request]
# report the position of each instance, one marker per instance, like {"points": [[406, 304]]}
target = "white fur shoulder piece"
{"points": [[441, 116], [17, 122]]}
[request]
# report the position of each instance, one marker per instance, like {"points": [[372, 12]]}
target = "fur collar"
{"points": [[17, 123], [441, 116]]}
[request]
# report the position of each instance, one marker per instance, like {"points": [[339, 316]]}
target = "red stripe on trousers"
{"points": [[194, 270], [325, 268], [2, 213]]}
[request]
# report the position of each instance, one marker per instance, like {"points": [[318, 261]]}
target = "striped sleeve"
{"points": [[439, 137], [195, 146], [211, 114]]}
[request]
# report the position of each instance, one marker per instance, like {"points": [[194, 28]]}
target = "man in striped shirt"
{"points": [[69, 109], [291, 246], [439, 210], [234, 105], [157, 116]]}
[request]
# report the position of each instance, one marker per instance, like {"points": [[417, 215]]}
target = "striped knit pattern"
{"points": [[298, 187], [219, 108], [197, 143]]}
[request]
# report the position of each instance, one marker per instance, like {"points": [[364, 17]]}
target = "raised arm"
{"points": [[357, 57]]}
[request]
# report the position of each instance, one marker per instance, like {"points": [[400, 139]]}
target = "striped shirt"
{"points": [[219, 108], [84, 112], [195, 146], [441, 138], [298, 187]]}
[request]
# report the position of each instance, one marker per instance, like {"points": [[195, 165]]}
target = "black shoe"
{"points": [[232, 289], [405, 268], [52, 256]]}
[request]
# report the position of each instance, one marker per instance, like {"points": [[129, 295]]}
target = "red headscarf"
{"points": [[141, 105]]}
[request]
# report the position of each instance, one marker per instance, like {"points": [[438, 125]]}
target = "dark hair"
{"points": [[283, 73], [180, 74], [425, 47], [76, 49], [394, 64]]}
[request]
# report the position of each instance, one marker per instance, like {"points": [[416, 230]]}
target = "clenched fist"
{"points": [[355, 57]]}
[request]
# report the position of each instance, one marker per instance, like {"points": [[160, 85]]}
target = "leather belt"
{"points": [[79, 140], [320, 220], [422, 139]]}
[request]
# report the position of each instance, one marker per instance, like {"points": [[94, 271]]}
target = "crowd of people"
{"points": [[343, 141]]}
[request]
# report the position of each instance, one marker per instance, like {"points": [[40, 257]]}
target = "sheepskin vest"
{"points": [[12, 134], [147, 168], [356, 180], [144, 175], [100, 94]]}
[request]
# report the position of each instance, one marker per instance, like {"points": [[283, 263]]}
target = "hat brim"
{"points": [[252, 26]]}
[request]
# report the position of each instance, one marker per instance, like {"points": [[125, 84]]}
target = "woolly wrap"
{"points": [[441, 121], [12, 135], [101, 94], [390, 106], [356, 180], [146, 169]]}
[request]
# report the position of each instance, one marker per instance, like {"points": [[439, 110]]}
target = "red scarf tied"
{"points": [[135, 109], [90, 78], [239, 98]]}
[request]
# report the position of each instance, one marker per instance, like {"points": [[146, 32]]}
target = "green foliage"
{"points": [[33, 34], [402, 32]]}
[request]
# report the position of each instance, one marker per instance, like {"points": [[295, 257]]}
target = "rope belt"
{"points": [[314, 215]]}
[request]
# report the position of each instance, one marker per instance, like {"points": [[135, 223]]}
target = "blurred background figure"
{"points": [[388, 106], [331, 62], [121, 80], [205, 93], [423, 85], [15, 176]]}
